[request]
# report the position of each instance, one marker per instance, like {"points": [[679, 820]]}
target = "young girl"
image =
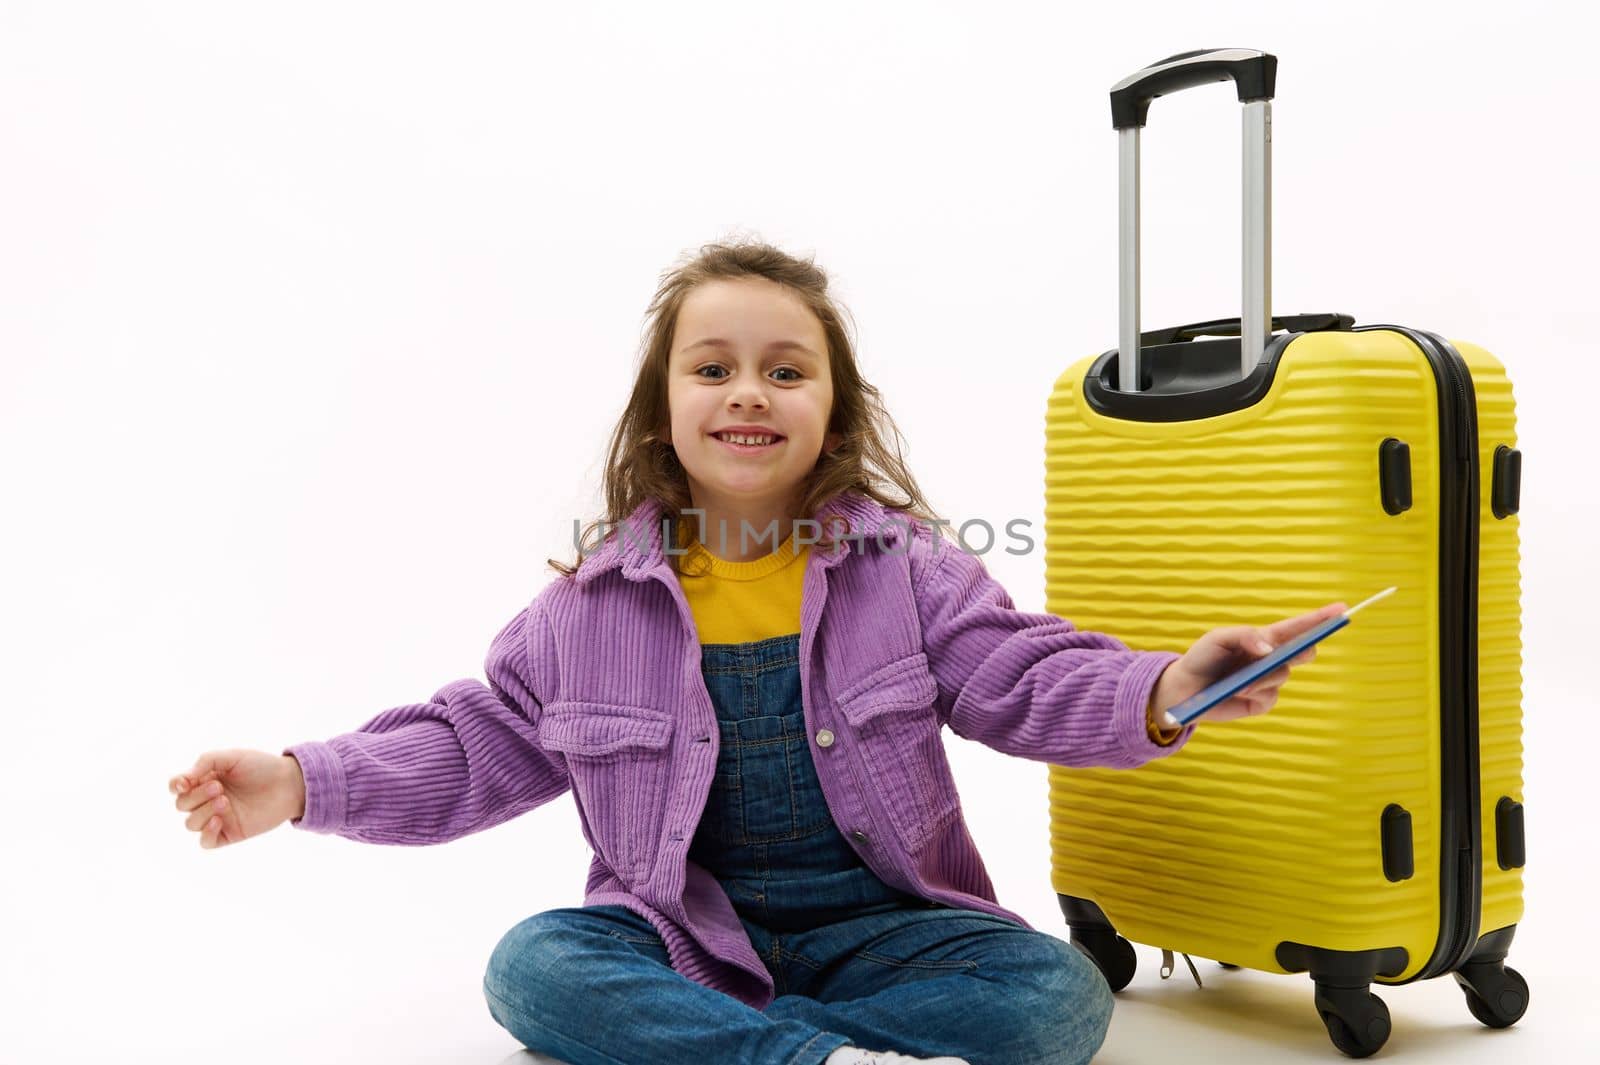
{"points": [[743, 686]]}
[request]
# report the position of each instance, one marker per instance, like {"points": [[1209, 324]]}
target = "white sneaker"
{"points": [[849, 1055]]}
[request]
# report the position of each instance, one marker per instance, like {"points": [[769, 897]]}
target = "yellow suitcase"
{"points": [[1368, 829]]}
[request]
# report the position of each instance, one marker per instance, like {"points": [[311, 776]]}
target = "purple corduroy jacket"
{"points": [[595, 687]]}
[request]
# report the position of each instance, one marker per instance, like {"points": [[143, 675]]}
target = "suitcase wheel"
{"points": [[1496, 994], [1356, 1019], [1113, 955]]}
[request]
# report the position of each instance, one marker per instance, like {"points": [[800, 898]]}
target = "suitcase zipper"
{"points": [[1460, 872]]}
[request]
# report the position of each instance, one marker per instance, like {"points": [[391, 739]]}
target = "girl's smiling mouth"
{"points": [[748, 443]]}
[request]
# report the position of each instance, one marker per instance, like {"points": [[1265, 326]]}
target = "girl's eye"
{"points": [[782, 369]]}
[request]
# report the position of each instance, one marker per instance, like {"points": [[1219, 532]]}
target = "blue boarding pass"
{"points": [[1243, 677]]}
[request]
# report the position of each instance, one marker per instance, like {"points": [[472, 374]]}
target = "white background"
{"points": [[315, 318]]}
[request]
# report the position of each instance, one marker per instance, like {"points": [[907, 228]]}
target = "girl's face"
{"points": [[748, 352]]}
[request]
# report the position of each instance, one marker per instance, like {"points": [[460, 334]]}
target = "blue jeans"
{"points": [[853, 960]]}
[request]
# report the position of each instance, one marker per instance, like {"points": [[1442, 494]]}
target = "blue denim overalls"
{"points": [[767, 834]]}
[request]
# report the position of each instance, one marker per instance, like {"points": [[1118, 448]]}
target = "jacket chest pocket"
{"points": [[891, 712], [618, 760]]}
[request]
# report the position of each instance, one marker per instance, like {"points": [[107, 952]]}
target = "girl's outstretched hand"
{"points": [[1221, 651], [234, 794]]}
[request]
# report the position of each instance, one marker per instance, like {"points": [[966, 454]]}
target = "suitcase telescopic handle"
{"points": [[1254, 74]]}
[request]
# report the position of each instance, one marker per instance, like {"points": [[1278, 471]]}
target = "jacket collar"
{"points": [[636, 546]]}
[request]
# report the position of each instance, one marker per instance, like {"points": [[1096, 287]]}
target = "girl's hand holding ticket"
{"points": [[1221, 651]]}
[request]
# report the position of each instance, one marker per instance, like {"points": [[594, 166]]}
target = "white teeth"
{"points": [[740, 438]]}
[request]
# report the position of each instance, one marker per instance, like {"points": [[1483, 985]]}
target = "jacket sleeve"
{"points": [[1030, 685], [465, 760]]}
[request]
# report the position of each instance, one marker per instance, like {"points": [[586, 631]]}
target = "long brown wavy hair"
{"points": [[640, 466]]}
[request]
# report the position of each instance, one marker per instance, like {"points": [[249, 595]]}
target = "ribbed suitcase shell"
{"points": [[1266, 830]]}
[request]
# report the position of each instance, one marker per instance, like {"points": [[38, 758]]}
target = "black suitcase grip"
{"points": [[1254, 73], [1229, 327]]}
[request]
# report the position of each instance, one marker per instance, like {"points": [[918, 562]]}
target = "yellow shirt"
{"points": [[741, 602]]}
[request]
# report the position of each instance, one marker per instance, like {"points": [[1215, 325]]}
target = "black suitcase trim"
{"points": [[1460, 862], [1183, 381], [1182, 378]]}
